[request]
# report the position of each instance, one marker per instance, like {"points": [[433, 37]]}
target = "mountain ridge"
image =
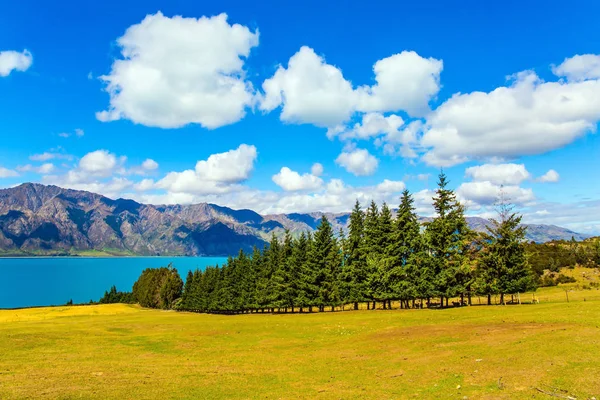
{"points": [[37, 219]]}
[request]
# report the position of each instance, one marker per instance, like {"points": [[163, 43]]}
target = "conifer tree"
{"points": [[448, 239], [503, 267], [371, 250], [380, 279], [354, 274], [320, 261], [408, 278], [283, 295], [297, 263]]}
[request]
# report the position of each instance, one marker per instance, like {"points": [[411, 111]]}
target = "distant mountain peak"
{"points": [[47, 219]]}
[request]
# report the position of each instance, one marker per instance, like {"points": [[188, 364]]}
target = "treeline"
{"points": [[113, 296], [558, 254], [382, 259]]}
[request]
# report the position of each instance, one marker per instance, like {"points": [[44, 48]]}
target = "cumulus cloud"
{"points": [[579, 67], [486, 193], [11, 60], [219, 173], [358, 162], [335, 196], [405, 81], [316, 169], [549, 177], [372, 125], [179, 71], [144, 185], [388, 186], [312, 91], [290, 180], [499, 174], [309, 91], [98, 171], [149, 165], [527, 117], [99, 162]]}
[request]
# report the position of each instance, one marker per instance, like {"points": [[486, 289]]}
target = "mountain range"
{"points": [[37, 219]]}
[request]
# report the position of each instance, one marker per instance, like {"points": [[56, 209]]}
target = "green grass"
{"points": [[121, 351]]}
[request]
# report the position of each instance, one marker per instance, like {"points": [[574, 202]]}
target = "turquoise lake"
{"points": [[27, 282]]}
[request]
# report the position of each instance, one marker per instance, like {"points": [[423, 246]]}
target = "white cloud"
{"points": [[95, 172], [359, 162], [579, 67], [581, 216], [51, 155], [311, 91], [7, 173], [219, 173], [499, 174], [290, 180], [144, 185], [149, 165], [528, 117], [316, 169], [178, 71], [46, 168], [78, 132], [372, 125], [14, 61], [549, 177], [99, 162], [232, 166], [487, 193], [388, 186], [405, 81]]}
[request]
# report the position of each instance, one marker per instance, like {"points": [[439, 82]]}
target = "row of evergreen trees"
{"points": [[382, 259]]}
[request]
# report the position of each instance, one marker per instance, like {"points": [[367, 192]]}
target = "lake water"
{"points": [[26, 282]]}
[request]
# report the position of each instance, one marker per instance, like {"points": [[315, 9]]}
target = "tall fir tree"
{"points": [[380, 279], [408, 278], [322, 256], [448, 239], [297, 264], [354, 269], [371, 251], [283, 294], [502, 267]]}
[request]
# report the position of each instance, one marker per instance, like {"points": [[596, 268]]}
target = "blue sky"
{"points": [[187, 106]]}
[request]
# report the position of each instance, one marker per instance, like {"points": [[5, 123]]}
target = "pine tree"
{"points": [[320, 268], [408, 278], [283, 295], [448, 238], [371, 251], [381, 283], [354, 273], [503, 267], [265, 272], [301, 277]]}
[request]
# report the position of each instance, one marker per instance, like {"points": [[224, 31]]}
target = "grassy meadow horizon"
{"points": [[485, 352]]}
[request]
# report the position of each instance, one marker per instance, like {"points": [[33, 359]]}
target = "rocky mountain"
{"points": [[36, 220]]}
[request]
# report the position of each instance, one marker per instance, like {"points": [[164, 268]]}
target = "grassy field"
{"points": [[479, 352]]}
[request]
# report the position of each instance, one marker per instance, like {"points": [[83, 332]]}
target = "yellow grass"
{"points": [[126, 352]]}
